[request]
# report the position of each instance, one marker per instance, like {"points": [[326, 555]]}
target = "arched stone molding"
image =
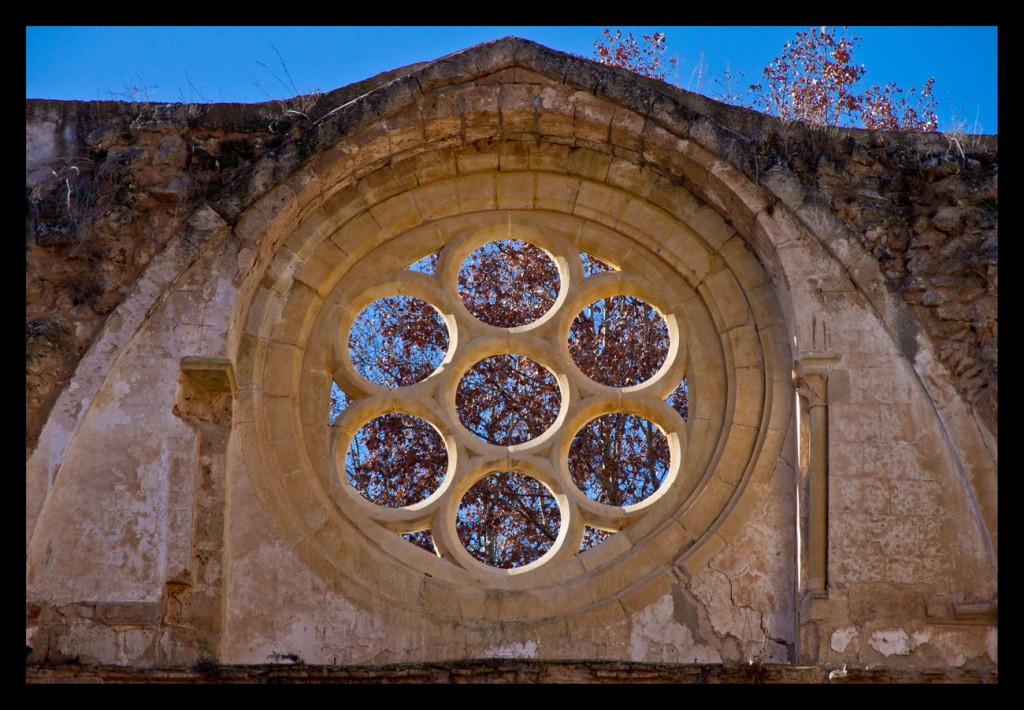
{"points": [[654, 180], [115, 441], [96, 365], [741, 388], [661, 154]]}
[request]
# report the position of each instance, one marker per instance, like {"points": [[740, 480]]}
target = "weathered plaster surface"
{"points": [[156, 536]]}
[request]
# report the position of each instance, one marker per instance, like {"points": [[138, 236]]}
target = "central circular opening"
{"points": [[508, 520], [508, 399], [508, 283]]}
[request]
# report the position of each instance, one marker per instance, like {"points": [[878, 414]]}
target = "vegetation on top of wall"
{"points": [[813, 80]]}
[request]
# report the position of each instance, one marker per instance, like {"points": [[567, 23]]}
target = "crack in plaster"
{"points": [[746, 618]]}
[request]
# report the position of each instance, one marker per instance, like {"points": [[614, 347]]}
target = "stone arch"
{"points": [[364, 205], [667, 186]]}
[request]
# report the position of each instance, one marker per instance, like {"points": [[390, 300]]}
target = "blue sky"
{"points": [[241, 64]]}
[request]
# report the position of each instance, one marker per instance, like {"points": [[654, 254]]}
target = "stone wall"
{"points": [[181, 260], [107, 185]]}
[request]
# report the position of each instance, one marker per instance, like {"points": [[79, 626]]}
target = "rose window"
{"points": [[507, 401]]}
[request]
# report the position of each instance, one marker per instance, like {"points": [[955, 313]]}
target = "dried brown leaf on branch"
{"points": [[646, 57], [814, 80]]}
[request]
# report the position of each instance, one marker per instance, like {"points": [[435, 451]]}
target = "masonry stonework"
{"points": [[832, 294]]}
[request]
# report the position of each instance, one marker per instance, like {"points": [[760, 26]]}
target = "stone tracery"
{"points": [[570, 386], [576, 159], [704, 451]]}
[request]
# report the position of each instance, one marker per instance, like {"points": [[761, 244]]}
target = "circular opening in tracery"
{"points": [[508, 520], [619, 341], [396, 460], [619, 459], [508, 283], [397, 341], [508, 399]]}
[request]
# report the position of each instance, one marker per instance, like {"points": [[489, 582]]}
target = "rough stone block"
{"points": [[397, 213], [734, 464], [626, 127], [665, 149], [317, 272], [642, 595], [476, 192], [436, 200], [440, 129], [282, 362], [514, 190], [406, 132], [707, 223], [556, 126], [745, 198], [599, 202], [785, 185], [728, 300], [519, 115], [380, 185], [588, 164], [477, 159], [300, 306], [128, 613], [593, 116], [549, 157], [629, 176], [429, 167], [281, 270], [556, 192], [90, 643]]}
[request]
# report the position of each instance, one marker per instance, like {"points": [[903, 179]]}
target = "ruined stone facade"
{"points": [[832, 300]]}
